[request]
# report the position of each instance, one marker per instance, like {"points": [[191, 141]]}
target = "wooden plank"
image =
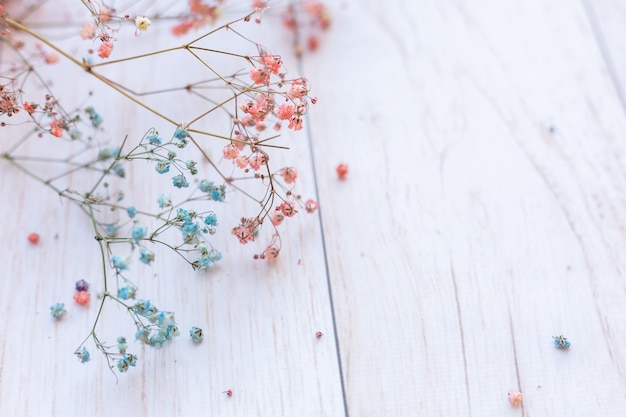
{"points": [[483, 213], [260, 319]]}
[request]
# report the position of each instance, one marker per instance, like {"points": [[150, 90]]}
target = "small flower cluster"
{"points": [[199, 15], [258, 96], [561, 342], [106, 24], [58, 310], [196, 334], [306, 20], [161, 328], [82, 296]]}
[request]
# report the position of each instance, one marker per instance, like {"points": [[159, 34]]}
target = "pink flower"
{"points": [[182, 28], [29, 107], [284, 111], [288, 208], [82, 297], [298, 88], [52, 58], [246, 230], [295, 123], [241, 161], [260, 76], [259, 5], [289, 174], [55, 128], [311, 205], [277, 217], [105, 14], [271, 253], [271, 62], [230, 151], [88, 31], [105, 49], [342, 171], [256, 160], [515, 397]]}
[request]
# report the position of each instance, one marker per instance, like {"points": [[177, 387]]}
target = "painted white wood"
{"points": [[483, 212], [260, 320], [482, 215]]}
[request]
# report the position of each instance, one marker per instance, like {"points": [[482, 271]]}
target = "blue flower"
{"points": [[125, 361], [126, 292], [165, 319], [205, 186], [164, 200], [181, 132], [191, 166], [561, 342], [210, 219], [95, 118], [171, 155], [111, 230], [179, 181], [83, 355], [218, 194], [131, 211], [162, 167], [184, 216], [119, 263], [138, 233], [196, 334], [146, 256], [121, 344], [215, 255], [154, 138], [190, 232], [108, 153], [119, 170], [58, 310]]}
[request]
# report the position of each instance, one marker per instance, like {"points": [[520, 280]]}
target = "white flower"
{"points": [[142, 22]]}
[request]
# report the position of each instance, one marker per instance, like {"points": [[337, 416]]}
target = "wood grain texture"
{"points": [[484, 209], [482, 215], [260, 320]]}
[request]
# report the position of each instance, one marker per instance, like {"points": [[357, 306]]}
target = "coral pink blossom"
{"points": [[515, 397], [82, 297], [52, 58], [277, 217], [241, 161], [342, 171], [88, 31], [260, 76], [271, 253], [29, 107], [105, 49], [33, 238], [311, 205], [55, 128], [284, 111], [298, 88], [230, 151], [105, 14], [289, 174], [182, 28], [256, 160], [272, 62], [295, 123], [245, 232], [288, 208]]}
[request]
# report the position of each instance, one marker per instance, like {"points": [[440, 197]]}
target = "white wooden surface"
{"points": [[483, 214]]}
